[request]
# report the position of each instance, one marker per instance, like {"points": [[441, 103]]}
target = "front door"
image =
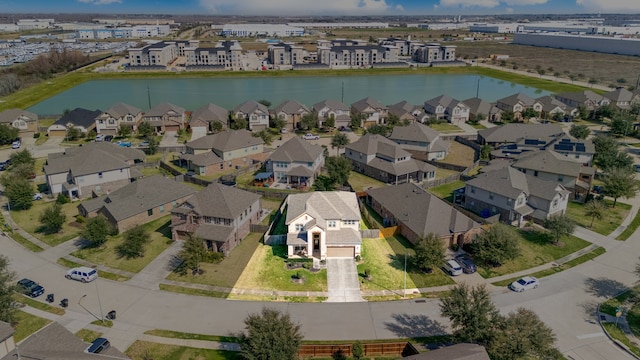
{"points": [[316, 241]]}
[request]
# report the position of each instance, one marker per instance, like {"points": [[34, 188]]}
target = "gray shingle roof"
{"points": [[204, 159], [331, 104], [91, 158], [619, 95], [414, 132], [251, 106], [213, 232], [217, 200], [372, 144], [292, 107], [209, 113], [79, 117], [549, 162], [226, 141], [479, 106], [10, 115], [457, 352], [120, 110], [581, 96], [403, 108], [362, 104], [549, 103], [296, 150], [511, 133], [444, 100], [507, 181], [516, 98], [421, 211], [5, 331], [163, 108], [325, 205]]}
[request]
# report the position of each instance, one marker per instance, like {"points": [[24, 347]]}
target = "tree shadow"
{"points": [[173, 263], [590, 309], [83, 243], [603, 287], [409, 326]]}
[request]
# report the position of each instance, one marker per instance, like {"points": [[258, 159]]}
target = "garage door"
{"points": [[57, 133], [341, 251]]}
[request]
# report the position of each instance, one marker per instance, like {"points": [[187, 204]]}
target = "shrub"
{"points": [[367, 272], [358, 258], [213, 257], [454, 247], [80, 219], [36, 135], [62, 199]]}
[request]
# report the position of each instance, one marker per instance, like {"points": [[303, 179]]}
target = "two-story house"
{"points": [[291, 111], [220, 215], [205, 116], [447, 108], [166, 117], [24, 121], [82, 119], [296, 162], [385, 160], [370, 112], [578, 150], [332, 108], [587, 98], [542, 134], [622, 98], [119, 114], [423, 142], [515, 196], [479, 109], [255, 113], [517, 103], [232, 149], [405, 111], [92, 169], [323, 224], [552, 108]]}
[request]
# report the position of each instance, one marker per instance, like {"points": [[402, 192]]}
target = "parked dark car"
{"points": [[30, 288], [108, 138], [597, 189], [98, 345], [468, 267]]}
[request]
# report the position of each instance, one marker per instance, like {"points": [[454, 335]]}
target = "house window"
{"points": [[161, 208], [299, 227], [174, 203], [100, 175], [310, 164], [520, 200], [509, 201], [221, 166], [491, 196], [560, 178], [150, 212], [473, 190], [331, 223], [555, 202], [535, 173]]}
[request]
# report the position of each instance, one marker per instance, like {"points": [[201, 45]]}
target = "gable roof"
{"points": [[217, 200], [163, 108], [548, 161], [570, 144], [377, 144], [296, 150], [549, 103], [10, 115], [479, 106], [620, 95], [6, 331], [120, 110], [226, 140], [323, 205], [144, 194], [210, 112], [510, 182], [403, 108], [421, 211], [516, 98], [362, 104], [511, 133], [91, 158], [291, 107], [79, 117], [251, 106], [581, 96], [331, 104], [414, 132], [444, 100]]}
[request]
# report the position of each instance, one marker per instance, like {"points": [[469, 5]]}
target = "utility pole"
{"points": [[342, 98], [148, 97]]}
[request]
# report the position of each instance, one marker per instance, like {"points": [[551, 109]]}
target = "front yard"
{"points": [[29, 221], [613, 217], [159, 240]]}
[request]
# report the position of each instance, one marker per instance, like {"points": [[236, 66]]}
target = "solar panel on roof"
{"points": [[580, 148]]}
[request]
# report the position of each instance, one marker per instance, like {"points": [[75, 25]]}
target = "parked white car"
{"points": [[100, 137], [83, 274], [310, 136], [37, 196], [525, 283], [452, 267]]}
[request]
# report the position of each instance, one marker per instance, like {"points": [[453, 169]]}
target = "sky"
{"points": [[321, 7]]}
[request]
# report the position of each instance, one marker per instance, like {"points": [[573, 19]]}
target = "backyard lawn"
{"points": [[227, 272], [612, 218], [443, 173], [459, 154], [141, 350], [535, 249], [445, 191], [384, 258], [445, 127], [159, 239], [360, 182], [29, 221]]}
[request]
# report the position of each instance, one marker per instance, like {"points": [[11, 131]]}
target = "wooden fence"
{"points": [[389, 231], [400, 349], [370, 234]]}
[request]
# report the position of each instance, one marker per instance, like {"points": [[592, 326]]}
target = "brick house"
{"points": [[296, 162], [447, 108], [255, 113], [423, 142], [370, 111], [208, 114], [166, 117], [328, 108], [110, 120], [82, 119], [291, 111]]}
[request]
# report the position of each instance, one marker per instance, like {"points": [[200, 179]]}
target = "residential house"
{"points": [[24, 121], [423, 142], [551, 166], [518, 103], [7, 344], [296, 162], [462, 351], [139, 202], [291, 111], [418, 213], [407, 112], [622, 98], [554, 108], [447, 108], [232, 149], [481, 108], [333, 108], [119, 114], [166, 117], [323, 224], [370, 111], [94, 168], [205, 116], [220, 215], [82, 119], [578, 150], [515, 196], [256, 114], [385, 160], [587, 98], [542, 134]]}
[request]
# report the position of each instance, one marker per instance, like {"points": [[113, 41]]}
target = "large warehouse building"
{"points": [[603, 44]]}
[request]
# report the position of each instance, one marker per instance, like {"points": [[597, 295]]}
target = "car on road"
{"points": [[37, 196], [525, 283], [83, 274], [468, 267], [16, 144], [124, 143], [30, 288], [452, 267], [310, 136]]}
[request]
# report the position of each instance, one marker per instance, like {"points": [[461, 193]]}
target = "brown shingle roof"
{"points": [[226, 141], [11, 115], [91, 158], [217, 200], [296, 150], [414, 132]]}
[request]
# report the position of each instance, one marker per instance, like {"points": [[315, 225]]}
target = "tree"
{"points": [[154, 143], [480, 117], [52, 218], [192, 253], [393, 120], [7, 134], [73, 133], [124, 130], [265, 102], [522, 335], [472, 314], [583, 112], [270, 335], [215, 126], [338, 169], [357, 351], [579, 131], [619, 182], [608, 156], [134, 241], [264, 135], [595, 210], [496, 245], [528, 113], [278, 123], [22, 157], [309, 121], [356, 120], [559, 226], [145, 129], [7, 288], [621, 125], [378, 130], [239, 123], [19, 192], [96, 230], [485, 152], [338, 141], [430, 253], [330, 121], [507, 116], [604, 111]]}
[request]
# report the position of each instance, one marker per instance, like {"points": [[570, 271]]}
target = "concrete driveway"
{"points": [[343, 280], [198, 132], [170, 139]]}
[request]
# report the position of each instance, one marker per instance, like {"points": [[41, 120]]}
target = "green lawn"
{"points": [[384, 258], [142, 350], [360, 182], [29, 221], [190, 336], [159, 240], [227, 272], [37, 304], [612, 218], [443, 173], [445, 191], [477, 126], [88, 335], [617, 333], [445, 127], [27, 324], [633, 226], [24, 242], [535, 250]]}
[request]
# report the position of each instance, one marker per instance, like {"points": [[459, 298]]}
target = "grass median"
{"points": [[38, 305], [631, 228], [148, 350]]}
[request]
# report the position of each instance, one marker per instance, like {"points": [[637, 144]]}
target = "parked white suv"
{"points": [[84, 274], [452, 267], [310, 136]]}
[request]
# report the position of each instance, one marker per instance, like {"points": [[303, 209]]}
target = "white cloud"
{"points": [[509, 10], [610, 5], [492, 3], [101, 2], [293, 7], [524, 2]]}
